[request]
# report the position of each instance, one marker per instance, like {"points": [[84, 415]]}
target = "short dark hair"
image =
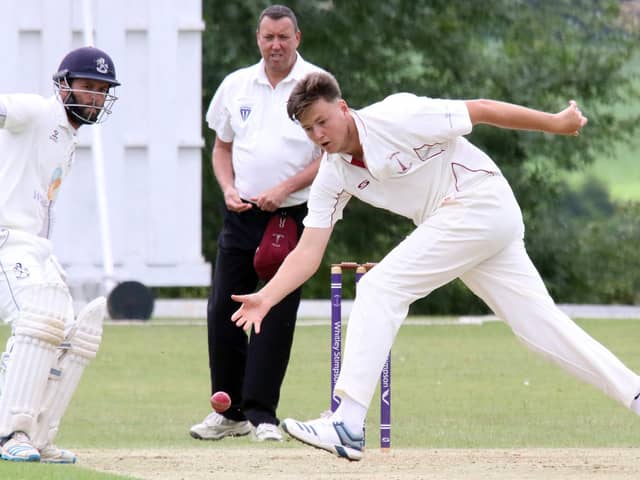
{"points": [[276, 12], [313, 87]]}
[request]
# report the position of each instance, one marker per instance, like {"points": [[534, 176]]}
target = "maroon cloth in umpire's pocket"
{"points": [[279, 238]]}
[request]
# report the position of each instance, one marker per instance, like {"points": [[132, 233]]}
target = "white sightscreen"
{"points": [[152, 142]]}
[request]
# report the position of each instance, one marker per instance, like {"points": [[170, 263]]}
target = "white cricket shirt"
{"points": [[415, 158], [268, 147], [37, 147]]}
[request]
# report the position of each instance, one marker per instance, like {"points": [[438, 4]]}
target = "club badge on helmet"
{"points": [[86, 63]]}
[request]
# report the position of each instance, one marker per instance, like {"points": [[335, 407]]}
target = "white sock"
{"points": [[351, 413]]}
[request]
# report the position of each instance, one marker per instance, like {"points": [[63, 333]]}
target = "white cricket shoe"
{"points": [[267, 432], [328, 435], [20, 449], [216, 427], [53, 454]]}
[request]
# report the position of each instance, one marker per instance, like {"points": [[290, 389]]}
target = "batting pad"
{"points": [[80, 346], [4, 361], [37, 332]]}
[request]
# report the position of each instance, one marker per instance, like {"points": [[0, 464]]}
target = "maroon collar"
{"points": [[358, 162]]}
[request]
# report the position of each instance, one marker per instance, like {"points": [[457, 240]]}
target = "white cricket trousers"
{"points": [[26, 263], [477, 237]]}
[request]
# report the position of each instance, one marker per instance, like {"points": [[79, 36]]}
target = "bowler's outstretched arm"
{"points": [[298, 267]]}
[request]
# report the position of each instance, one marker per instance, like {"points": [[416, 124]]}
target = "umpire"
{"points": [[264, 164]]}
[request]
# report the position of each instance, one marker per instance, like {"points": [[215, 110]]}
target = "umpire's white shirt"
{"points": [[38, 145], [268, 147], [415, 155]]}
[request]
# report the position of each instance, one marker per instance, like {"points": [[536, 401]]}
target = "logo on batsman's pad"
{"points": [[20, 271], [245, 111]]}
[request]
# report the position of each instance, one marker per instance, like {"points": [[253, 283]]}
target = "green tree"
{"points": [[539, 53]]}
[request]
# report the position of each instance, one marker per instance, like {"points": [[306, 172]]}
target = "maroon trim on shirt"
{"points": [[473, 170], [335, 206], [358, 162]]}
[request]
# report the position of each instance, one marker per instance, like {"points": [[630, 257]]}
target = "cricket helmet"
{"points": [[85, 63]]}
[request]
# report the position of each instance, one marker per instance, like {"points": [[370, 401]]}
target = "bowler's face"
{"points": [[325, 123]]}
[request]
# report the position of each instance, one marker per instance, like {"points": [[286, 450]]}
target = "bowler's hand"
{"points": [[233, 201], [251, 312], [570, 120]]}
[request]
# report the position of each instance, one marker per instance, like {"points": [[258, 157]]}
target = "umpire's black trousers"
{"points": [[250, 368]]}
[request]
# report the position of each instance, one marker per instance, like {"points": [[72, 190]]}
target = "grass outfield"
{"points": [[452, 387], [619, 172], [18, 471]]}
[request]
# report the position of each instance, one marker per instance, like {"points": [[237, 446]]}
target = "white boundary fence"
{"points": [[320, 310]]}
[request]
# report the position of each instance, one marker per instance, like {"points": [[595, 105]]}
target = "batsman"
{"points": [[408, 154], [48, 349]]}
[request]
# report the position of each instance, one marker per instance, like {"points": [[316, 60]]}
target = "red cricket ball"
{"points": [[220, 401]]}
